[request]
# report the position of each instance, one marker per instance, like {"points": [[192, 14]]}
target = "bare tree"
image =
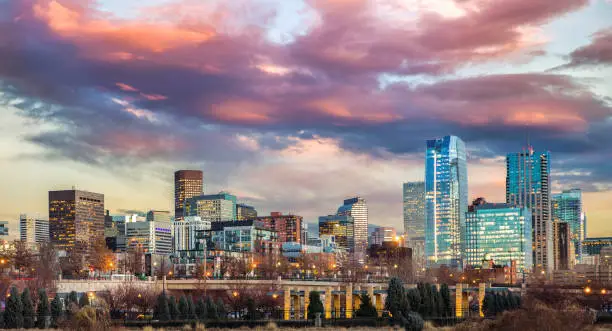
{"points": [[46, 267], [23, 259], [101, 258]]}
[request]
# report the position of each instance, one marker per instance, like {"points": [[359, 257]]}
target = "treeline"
{"points": [[497, 303], [169, 309]]}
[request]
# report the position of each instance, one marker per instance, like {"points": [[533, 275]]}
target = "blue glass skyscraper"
{"points": [[528, 185], [446, 200], [567, 207]]}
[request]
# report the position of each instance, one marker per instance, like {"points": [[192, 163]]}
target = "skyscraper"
{"points": [[358, 209], [414, 221], [76, 219], [213, 207], [446, 200], [563, 246], [567, 207], [528, 185], [500, 231], [33, 230], [187, 184], [342, 228], [288, 227]]}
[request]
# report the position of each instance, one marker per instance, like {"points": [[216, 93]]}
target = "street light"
{"points": [[603, 291], [235, 293], [587, 290]]}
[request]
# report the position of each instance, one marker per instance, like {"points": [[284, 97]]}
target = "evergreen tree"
{"points": [[366, 308], [201, 309], [434, 301], [84, 300], [183, 307], [13, 314], [488, 305], [315, 306], [251, 309], [72, 298], [221, 312], [414, 299], [499, 304], [445, 293], [56, 310], [2, 326], [441, 307], [506, 301], [397, 301], [42, 310], [192, 310], [422, 297], [162, 310], [518, 300], [173, 307], [211, 309], [28, 309], [428, 301]]}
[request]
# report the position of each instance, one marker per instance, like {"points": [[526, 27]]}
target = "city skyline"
{"points": [[296, 98]]}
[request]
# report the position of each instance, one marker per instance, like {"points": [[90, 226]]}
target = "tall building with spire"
{"points": [[187, 184], [446, 201], [528, 185]]}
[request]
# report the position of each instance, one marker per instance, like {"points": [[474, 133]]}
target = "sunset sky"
{"points": [[294, 105]]}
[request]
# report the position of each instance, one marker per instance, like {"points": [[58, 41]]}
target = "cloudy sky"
{"points": [[294, 105]]}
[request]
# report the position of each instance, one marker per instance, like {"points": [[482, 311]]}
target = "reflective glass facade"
{"points": [[499, 232], [241, 236], [593, 246], [357, 208], [528, 185], [567, 207], [414, 211], [446, 200], [245, 212], [212, 208], [341, 228]]}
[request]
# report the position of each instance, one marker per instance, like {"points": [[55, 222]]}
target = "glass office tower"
{"points": [[501, 232], [528, 185], [446, 200], [567, 207]]}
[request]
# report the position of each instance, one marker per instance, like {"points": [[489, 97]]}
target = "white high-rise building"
{"points": [[358, 209], [185, 231], [32, 230]]}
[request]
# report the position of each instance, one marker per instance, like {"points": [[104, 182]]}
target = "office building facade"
{"points": [[593, 246], [33, 230], [342, 228], [357, 209], [212, 208], [187, 184], [563, 246], [245, 212], [158, 216], [149, 237], [446, 200], [567, 207], [383, 234], [76, 219], [288, 227], [528, 185], [241, 236], [185, 232], [4, 228], [500, 232], [414, 211]]}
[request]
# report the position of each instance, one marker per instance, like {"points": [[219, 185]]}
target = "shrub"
{"points": [[56, 311], [84, 300], [413, 322], [28, 309], [162, 310], [43, 308], [13, 314], [89, 318], [201, 309]]}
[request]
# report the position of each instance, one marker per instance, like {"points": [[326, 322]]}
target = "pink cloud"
{"points": [[154, 97], [126, 87], [598, 52]]}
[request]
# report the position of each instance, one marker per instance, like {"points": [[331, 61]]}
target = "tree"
{"points": [[84, 300], [42, 310], [101, 258], [366, 308], [434, 301], [201, 309], [183, 307], [47, 266], [315, 306], [23, 257], [488, 305], [162, 310], [221, 312], [414, 299], [211, 309], [73, 297], [413, 322], [192, 310], [397, 301], [13, 314], [174, 310], [445, 293], [28, 309], [56, 311], [499, 304], [251, 309]]}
